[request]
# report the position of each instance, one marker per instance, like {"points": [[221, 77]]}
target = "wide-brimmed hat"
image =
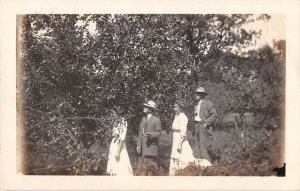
{"points": [[201, 90], [150, 104]]}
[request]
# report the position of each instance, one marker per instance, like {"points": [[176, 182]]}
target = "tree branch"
{"points": [[71, 118], [47, 82]]}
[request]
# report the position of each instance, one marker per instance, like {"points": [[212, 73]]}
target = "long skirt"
{"points": [[121, 167], [180, 160]]}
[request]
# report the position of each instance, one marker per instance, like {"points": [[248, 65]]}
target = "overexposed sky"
{"points": [[273, 29]]}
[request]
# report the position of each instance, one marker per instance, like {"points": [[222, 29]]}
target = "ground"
{"points": [[242, 152]]}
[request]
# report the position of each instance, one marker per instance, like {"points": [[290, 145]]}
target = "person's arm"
{"points": [[156, 133], [117, 155], [121, 141], [139, 139], [212, 114], [183, 127]]}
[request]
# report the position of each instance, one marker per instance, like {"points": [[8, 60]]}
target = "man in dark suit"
{"points": [[147, 141], [205, 116]]}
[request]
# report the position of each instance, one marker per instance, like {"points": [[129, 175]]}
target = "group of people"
{"points": [[150, 129]]}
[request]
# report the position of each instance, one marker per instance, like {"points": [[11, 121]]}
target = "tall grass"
{"points": [[248, 152]]}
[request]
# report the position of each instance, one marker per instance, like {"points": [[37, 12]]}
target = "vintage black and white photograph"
{"points": [[151, 94]]}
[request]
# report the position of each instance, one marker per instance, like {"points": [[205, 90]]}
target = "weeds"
{"points": [[249, 152]]}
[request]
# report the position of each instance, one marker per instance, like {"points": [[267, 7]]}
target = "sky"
{"points": [[273, 29]]}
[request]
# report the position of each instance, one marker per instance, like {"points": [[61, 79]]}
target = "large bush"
{"points": [[251, 152]]}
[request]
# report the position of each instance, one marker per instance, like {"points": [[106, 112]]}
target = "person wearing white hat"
{"points": [[149, 132], [205, 116]]}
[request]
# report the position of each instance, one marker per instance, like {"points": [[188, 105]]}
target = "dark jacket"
{"points": [[208, 113], [149, 144]]}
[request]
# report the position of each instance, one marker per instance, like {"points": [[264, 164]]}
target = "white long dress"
{"points": [[180, 160], [122, 167]]}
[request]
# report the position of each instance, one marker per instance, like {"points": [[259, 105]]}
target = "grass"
{"points": [[246, 152]]}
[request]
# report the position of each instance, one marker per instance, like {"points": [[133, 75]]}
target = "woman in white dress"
{"points": [[118, 160], [182, 153]]}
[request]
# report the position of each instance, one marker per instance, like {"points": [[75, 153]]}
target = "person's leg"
{"points": [[148, 167], [210, 131], [197, 152], [202, 142], [141, 161], [156, 163], [173, 167], [151, 161]]}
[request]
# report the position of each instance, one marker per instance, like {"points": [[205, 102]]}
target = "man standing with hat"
{"points": [[147, 141], [205, 116]]}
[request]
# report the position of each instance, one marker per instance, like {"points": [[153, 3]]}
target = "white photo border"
{"points": [[11, 180]]}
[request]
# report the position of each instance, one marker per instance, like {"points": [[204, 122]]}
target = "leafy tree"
{"points": [[74, 74], [256, 84]]}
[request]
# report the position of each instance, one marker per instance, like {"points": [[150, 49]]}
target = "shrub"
{"points": [[249, 153]]}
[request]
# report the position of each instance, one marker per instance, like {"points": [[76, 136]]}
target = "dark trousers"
{"points": [[147, 161], [201, 138]]}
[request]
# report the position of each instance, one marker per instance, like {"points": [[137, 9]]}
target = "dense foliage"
{"points": [[74, 74]]}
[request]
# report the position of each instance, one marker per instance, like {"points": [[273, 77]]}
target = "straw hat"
{"points": [[150, 104], [201, 90]]}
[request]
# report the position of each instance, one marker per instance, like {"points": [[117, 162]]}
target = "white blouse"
{"points": [[180, 124], [120, 130]]}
